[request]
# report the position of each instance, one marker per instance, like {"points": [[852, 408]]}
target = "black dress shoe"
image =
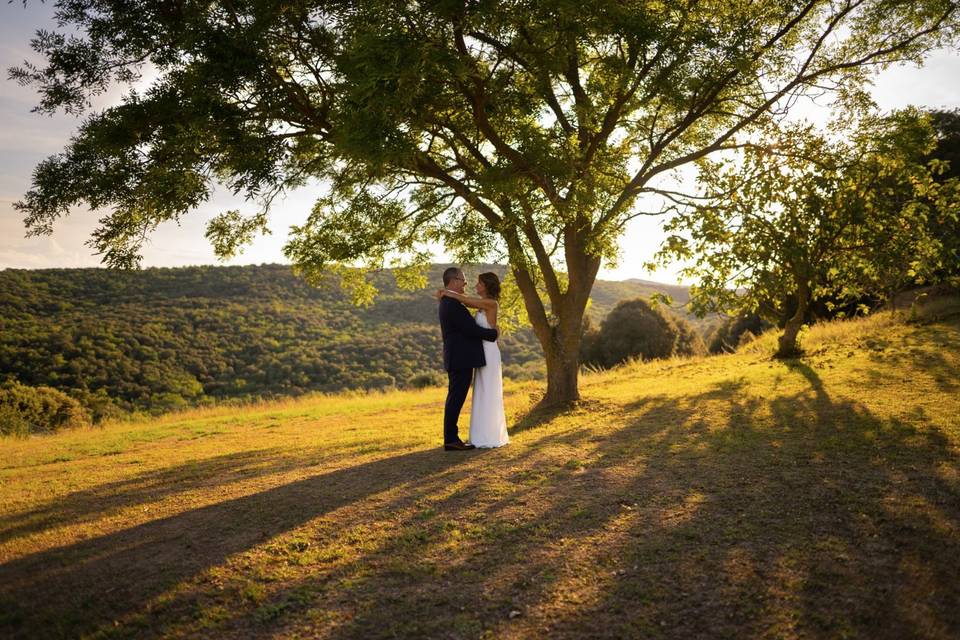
{"points": [[457, 446]]}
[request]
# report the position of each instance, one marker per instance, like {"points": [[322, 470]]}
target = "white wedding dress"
{"points": [[488, 424]]}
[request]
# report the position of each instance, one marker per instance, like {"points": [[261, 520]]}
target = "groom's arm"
{"points": [[459, 317]]}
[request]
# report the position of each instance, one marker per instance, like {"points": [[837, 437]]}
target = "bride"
{"points": [[488, 424]]}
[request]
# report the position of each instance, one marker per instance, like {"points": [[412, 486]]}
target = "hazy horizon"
{"points": [[648, 279]]}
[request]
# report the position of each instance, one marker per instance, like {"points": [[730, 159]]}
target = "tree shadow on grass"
{"points": [[934, 349], [111, 497], [74, 590], [452, 563], [804, 516], [799, 515], [537, 416]]}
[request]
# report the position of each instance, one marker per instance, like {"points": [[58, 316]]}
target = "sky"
{"points": [[27, 138]]}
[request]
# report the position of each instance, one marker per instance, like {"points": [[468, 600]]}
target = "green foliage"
{"points": [[804, 218], [162, 339], [26, 410], [637, 329], [12, 423]]}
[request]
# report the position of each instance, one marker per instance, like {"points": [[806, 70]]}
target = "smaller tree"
{"points": [[637, 329], [800, 217]]}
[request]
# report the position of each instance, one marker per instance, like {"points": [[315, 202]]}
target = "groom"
{"points": [[462, 353]]}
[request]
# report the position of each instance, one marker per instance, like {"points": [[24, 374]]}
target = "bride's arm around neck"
{"points": [[475, 302]]}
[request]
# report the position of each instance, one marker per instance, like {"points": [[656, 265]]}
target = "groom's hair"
{"points": [[450, 274]]}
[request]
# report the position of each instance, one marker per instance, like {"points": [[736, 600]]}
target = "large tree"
{"points": [[530, 131]]}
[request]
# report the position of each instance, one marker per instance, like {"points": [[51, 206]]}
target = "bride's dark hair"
{"points": [[492, 283]]}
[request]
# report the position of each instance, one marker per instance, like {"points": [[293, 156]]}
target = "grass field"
{"points": [[727, 497]]}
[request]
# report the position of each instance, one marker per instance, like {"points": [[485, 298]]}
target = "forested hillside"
{"points": [[159, 339]]}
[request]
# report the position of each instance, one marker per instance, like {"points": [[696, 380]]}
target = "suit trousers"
{"points": [[458, 384]]}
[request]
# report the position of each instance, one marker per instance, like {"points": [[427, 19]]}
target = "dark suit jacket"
{"points": [[462, 337]]}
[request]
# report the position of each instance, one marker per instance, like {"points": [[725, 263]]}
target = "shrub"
{"points": [[26, 409], [689, 341], [378, 380], [424, 380], [12, 423], [732, 333], [635, 329]]}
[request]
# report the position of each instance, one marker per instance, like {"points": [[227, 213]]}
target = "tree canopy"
{"points": [[529, 131]]}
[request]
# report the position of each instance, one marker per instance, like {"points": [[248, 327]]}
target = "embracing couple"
{"points": [[470, 353]]}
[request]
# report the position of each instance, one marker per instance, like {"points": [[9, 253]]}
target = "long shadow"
{"points": [[829, 523], [788, 520], [804, 515], [73, 590], [944, 370], [94, 503], [413, 586]]}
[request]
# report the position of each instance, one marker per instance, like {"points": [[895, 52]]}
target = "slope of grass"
{"points": [[734, 496]]}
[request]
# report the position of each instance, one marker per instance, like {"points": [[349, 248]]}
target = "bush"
{"points": [[424, 380], [378, 380], [635, 329], [12, 423], [689, 341], [736, 331], [26, 410]]}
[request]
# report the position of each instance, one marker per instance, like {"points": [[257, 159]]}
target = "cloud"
{"points": [[43, 253]]}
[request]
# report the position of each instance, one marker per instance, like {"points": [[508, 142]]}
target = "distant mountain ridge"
{"points": [[607, 293], [165, 338]]}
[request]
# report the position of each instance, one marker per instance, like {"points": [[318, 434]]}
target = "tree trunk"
{"points": [[562, 354], [559, 333], [559, 337], [563, 368], [788, 341]]}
